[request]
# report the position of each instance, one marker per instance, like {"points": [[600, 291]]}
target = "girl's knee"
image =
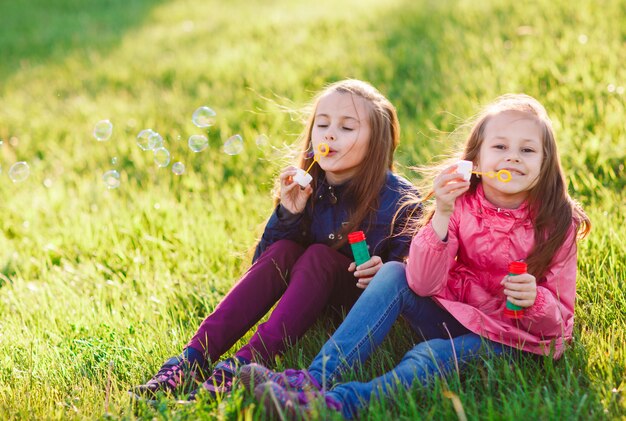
{"points": [[322, 256], [391, 275]]}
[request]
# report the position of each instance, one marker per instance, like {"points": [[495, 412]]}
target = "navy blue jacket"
{"points": [[322, 223]]}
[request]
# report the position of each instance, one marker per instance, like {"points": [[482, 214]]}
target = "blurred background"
{"points": [[109, 259]]}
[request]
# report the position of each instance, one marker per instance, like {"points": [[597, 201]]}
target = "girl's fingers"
{"points": [[369, 268], [368, 272], [521, 303], [363, 282], [520, 295], [287, 173]]}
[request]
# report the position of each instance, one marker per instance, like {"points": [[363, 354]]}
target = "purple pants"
{"points": [[305, 280]]}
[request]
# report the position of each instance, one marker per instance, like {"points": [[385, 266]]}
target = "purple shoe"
{"points": [[252, 375], [170, 377], [220, 381], [283, 404]]}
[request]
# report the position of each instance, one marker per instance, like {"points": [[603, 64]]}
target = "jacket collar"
{"points": [[482, 205]]}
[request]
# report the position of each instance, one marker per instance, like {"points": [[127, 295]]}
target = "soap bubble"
{"points": [[203, 117], [111, 179], [178, 168], [155, 141], [114, 160], [143, 139], [234, 145], [19, 172], [162, 157], [198, 142], [262, 141], [102, 131]]}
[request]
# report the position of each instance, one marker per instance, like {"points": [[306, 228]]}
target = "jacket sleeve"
{"points": [[282, 225], [401, 239], [430, 259], [552, 315]]}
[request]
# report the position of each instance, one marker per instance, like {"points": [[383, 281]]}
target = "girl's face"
{"points": [[341, 121], [512, 141]]}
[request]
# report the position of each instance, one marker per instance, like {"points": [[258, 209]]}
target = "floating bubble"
{"points": [[102, 131], [178, 168], [234, 145], [19, 172], [162, 157], [198, 142], [114, 160], [203, 117], [155, 141], [309, 154], [262, 141], [111, 179], [143, 139]]}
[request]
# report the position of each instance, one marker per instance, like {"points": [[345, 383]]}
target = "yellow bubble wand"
{"points": [[503, 176], [322, 150], [303, 178]]}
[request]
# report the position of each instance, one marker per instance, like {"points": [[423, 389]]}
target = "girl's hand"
{"points": [[292, 196], [521, 289], [447, 187], [366, 271]]}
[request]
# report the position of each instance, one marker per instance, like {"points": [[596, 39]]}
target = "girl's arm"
{"points": [[552, 314], [430, 259], [286, 223], [434, 248]]}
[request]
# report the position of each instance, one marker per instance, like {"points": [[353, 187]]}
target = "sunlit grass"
{"points": [[98, 287]]}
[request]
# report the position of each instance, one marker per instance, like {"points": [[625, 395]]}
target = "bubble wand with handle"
{"points": [[465, 169], [303, 177]]}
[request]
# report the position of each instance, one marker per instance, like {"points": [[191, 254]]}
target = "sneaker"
{"points": [[221, 380], [169, 378], [252, 375], [284, 404]]}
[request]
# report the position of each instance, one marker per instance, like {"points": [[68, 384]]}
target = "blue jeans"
{"points": [[446, 342]]}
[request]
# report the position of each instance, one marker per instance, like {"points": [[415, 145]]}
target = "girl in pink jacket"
{"points": [[455, 286]]}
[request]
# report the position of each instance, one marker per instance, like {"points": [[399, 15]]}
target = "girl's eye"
{"points": [[528, 150], [499, 146], [322, 125], [349, 129]]}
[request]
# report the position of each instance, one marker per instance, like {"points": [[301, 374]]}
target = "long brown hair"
{"points": [[363, 189], [551, 208]]}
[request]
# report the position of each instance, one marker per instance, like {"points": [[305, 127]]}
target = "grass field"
{"points": [[98, 287]]}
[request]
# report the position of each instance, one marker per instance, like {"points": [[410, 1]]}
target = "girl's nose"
{"points": [[513, 157], [329, 136]]}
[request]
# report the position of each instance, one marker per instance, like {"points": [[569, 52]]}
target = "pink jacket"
{"points": [[464, 273]]}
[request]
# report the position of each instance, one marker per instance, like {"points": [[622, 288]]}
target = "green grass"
{"points": [[98, 287]]}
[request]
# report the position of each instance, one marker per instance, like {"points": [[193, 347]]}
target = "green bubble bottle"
{"points": [[359, 247], [511, 310]]}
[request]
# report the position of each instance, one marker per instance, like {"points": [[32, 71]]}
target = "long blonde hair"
{"points": [[363, 189], [552, 209]]}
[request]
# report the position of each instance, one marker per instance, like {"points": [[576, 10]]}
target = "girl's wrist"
{"points": [[440, 225], [285, 214]]}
